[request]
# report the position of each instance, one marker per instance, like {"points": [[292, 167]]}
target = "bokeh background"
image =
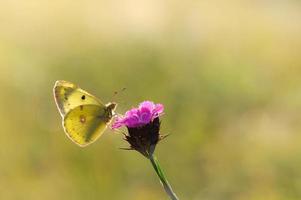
{"points": [[228, 73]]}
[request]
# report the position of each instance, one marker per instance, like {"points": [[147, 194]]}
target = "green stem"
{"points": [[162, 177]]}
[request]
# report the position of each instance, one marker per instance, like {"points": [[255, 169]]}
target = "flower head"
{"points": [[138, 117], [143, 126]]}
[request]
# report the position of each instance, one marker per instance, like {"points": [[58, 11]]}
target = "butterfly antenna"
{"points": [[116, 93]]}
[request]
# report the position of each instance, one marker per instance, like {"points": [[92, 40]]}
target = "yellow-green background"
{"points": [[228, 73]]}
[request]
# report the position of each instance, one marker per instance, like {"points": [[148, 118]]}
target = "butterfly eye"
{"points": [[83, 97]]}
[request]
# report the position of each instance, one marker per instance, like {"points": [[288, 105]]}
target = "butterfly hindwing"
{"points": [[85, 123], [68, 96]]}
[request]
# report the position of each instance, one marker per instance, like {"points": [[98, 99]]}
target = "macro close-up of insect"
{"points": [[84, 116], [211, 109]]}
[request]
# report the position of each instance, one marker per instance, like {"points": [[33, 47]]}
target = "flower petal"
{"points": [[158, 111], [147, 104], [117, 123], [145, 115], [130, 113], [135, 117], [131, 121]]}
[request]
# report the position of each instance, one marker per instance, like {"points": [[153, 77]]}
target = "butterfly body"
{"points": [[84, 116]]}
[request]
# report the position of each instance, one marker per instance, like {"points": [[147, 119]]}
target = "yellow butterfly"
{"points": [[85, 117]]}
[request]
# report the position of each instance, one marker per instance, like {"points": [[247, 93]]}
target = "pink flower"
{"points": [[138, 117]]}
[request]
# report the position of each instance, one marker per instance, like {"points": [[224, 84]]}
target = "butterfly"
{"points": [[84, 117]]}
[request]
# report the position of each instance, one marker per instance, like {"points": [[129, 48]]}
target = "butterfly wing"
{"points": [[68, 96], [85, 123]]}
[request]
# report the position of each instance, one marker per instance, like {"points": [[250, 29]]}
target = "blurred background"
{"points": [[228, 73]]}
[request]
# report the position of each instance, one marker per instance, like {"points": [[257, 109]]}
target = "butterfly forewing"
{"points": [[68, 96]]}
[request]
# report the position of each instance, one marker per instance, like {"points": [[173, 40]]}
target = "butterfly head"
{"points": [[111, 106]]}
